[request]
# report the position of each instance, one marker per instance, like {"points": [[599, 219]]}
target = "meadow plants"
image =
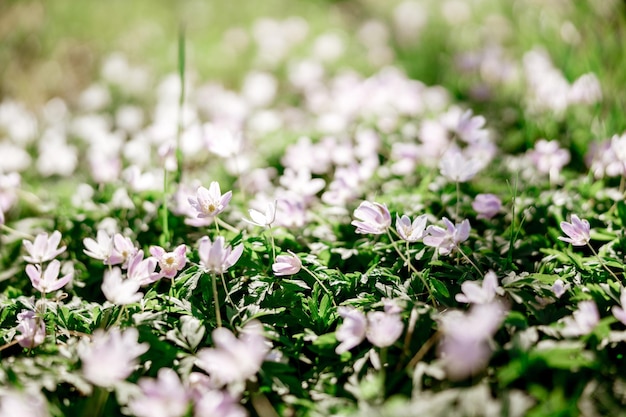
{"points": [[131, 285]]}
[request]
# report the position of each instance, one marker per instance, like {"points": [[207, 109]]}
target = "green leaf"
{"points": [[439, 287]]}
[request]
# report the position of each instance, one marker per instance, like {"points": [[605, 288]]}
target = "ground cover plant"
{"points": [[345, 208]]}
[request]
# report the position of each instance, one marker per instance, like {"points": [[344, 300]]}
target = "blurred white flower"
{"points": [[234, 359], [486, 206], [262, 219], [476, 293], [352, 331], [582, 321], [164, 396], [464, 347], [111, 356], [23, 404], [32, 329], [120, 291], [44, 248], [383, 328]]}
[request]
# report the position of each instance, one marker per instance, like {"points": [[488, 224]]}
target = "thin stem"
{"points": [[217, 226], [16, 232], [602, 262], [470, 261], [165, 236], [332, 299], [226, 289], [216, 301], [407, 261], [408, 337], [226, 225], [8, 345], [458, 199], [271, 232], [423, 350]]}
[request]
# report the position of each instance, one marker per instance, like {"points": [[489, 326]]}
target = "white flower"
{"points": [[211, 202], [475, 293], [23, 404], [32, 329], [235, 359], [216, 256], [411, 231], [383, 328], [445, 240], [101, 248], [352, 331], [287, 264], [45, 248], [164, 396], [263, 219], [111, 356], [120, 291], [582, 321], [47, 280], [457, 167]]}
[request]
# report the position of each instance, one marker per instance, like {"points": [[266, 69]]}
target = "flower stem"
{"points": [[226, 289], [226, 225], [470, 261], [602, 262], [332, 298], [423, 350], [216, 301], [411, 268], [271, 232], [16, 232]]}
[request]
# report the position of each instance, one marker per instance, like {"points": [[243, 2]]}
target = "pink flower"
{"points": [[211, 202], [120, 291], [479, 294], [287, 264], [164, 396], [216, 257], [411, 232], [372, 218], [111, 356], [170, 262], [123, 250], [353, 329], [32, 329], [486, 205], [620, 312], [445, 240], [44, 248], [142, 270], [235, 359], [47, 280], [578, 231]]}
